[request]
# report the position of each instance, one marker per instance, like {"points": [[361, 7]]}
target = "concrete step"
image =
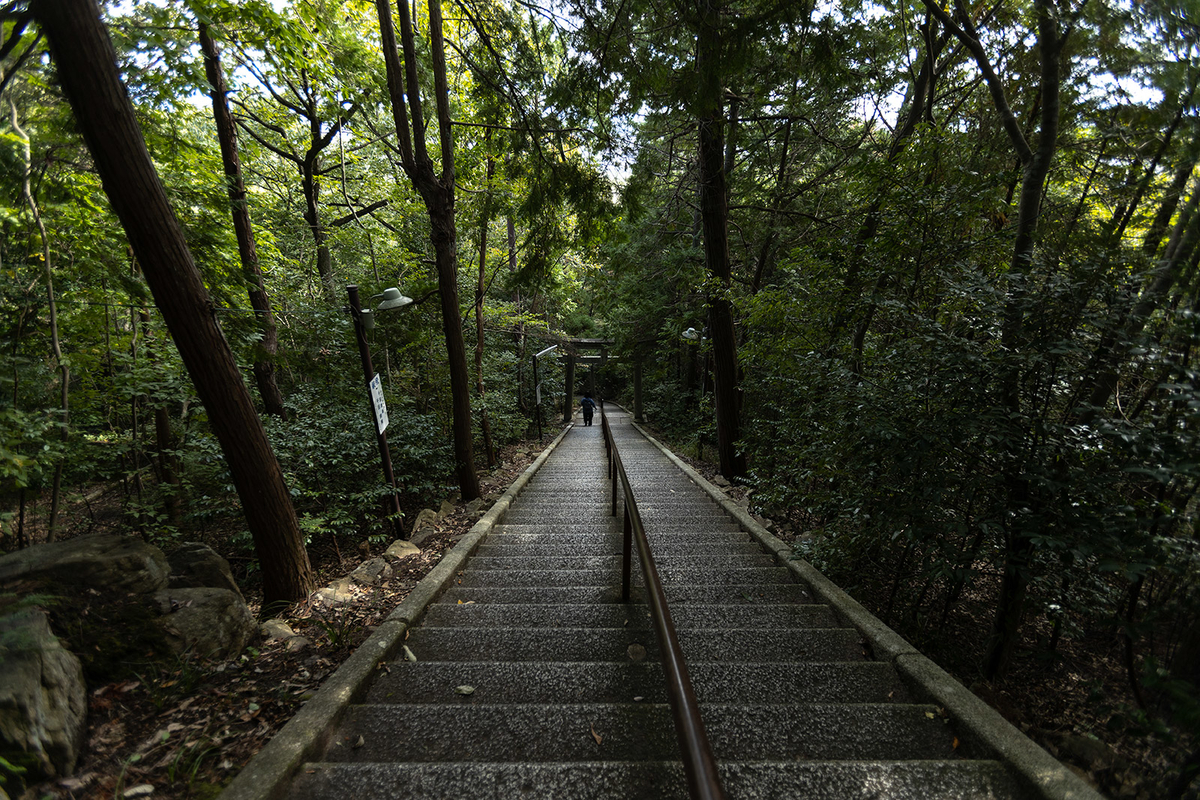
{"points": [[636, 732], [812, 780], [601, 577], [694, 593], [693, 615], [495, 548], [598, 528], [613, 644], [613, 561], [583, 515], [533, 534], [495, 682]]}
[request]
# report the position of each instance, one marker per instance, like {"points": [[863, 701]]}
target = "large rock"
{"points": [[426, 518], [195, 565], [400, 549], [371, 572], [339, 593], [204, 621], [110, 562], [43, 699]]}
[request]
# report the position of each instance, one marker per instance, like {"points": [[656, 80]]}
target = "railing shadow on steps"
{"points": [[699, 764]]}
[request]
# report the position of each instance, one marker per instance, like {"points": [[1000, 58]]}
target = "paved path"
{"points": [[532, 678]]}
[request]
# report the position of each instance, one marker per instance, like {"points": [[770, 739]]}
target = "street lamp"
{"points": [[364, 320], [537, 387]]}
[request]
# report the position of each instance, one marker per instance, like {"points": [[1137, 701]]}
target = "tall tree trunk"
{"points": [[311, 188], [1035, 167], [64, 369], [919, 99], [164, 442], [481, 286], [264, 365], [1103, 374], [519, 337], [437, 190], [1125, 213], [88, 72], [714, 217]]}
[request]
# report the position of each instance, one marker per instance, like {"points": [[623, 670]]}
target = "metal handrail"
{"points": [[699, 764]]}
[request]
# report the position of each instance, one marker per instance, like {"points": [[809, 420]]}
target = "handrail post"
{"points": [[627, 555], [613, 511]]}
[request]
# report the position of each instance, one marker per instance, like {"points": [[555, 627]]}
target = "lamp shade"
{"points": [[691, 334], [392, 298]]}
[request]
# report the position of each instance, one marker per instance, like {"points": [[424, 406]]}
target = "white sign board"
{"points": [[539, 394], [381, 417]]}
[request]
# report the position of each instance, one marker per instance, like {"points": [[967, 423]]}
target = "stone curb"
{"points": [[266, 776], [1039, 772]]}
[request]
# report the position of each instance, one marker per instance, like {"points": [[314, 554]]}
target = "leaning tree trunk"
{"points": [[264, 365], [88, 72]]}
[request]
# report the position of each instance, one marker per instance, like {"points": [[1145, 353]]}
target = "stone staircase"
{"points": [[532, 679]]}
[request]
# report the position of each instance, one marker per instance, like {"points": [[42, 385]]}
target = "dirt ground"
{"points": [[184, 729]]}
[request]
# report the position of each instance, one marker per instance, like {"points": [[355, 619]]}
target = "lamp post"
{"points": [[537, 387], [364, 320]]}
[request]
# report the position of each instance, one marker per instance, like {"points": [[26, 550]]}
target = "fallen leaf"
{"points": [[595, 735], [638, 699], [928, 714], [469, 603], [411, 657], [955, 745], [464, 689], [359, 742]]}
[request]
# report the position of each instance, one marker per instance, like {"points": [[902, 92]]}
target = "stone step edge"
{"points": [[791, 708], [466, 629], [266, 776], [995, 737]]}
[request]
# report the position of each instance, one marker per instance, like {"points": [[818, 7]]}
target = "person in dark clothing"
{"points": [[589, 407]]}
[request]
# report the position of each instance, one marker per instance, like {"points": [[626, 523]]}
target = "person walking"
{"points": [[589, 407]]}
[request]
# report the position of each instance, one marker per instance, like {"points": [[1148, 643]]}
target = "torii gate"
{"points": [[573, 346]]}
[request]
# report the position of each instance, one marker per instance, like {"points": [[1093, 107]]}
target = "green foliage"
{"points": [[29, 445], [9, 770], [331, 463]]}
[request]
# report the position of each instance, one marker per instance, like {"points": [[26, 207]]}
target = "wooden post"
{"points": [[390, 505], [637, 386], [569, 400]]}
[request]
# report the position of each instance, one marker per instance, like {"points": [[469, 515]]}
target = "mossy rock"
{"points": [[114, 635]]}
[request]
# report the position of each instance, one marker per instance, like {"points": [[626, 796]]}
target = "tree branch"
{"points": [[971, 41], [354, 215]]}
